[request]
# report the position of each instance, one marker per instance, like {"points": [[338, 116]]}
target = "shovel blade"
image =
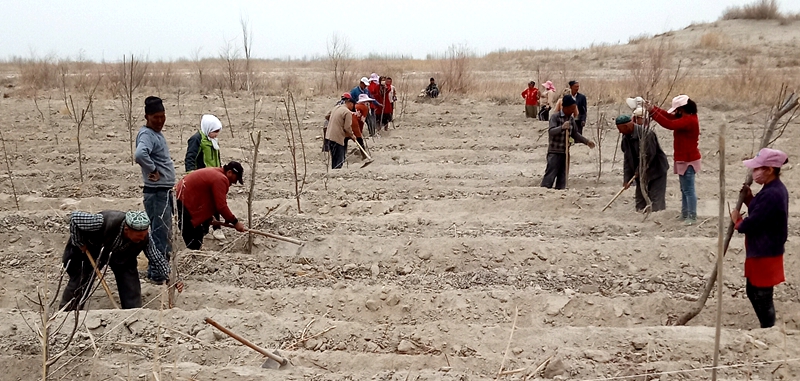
{"points": [[272, 364], [366, 163]]}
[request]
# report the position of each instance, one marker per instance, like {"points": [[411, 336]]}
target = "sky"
{"points": [[173, 29]]}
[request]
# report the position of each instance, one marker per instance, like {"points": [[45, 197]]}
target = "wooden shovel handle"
{"points": [[265, 234], [246, 342], [102, 279]]}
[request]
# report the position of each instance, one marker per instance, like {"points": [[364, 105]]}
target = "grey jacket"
{"points": [[152, 153]]}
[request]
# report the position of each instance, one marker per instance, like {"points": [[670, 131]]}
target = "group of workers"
{"points": [[115, 238]]}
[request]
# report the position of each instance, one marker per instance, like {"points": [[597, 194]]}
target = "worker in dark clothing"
{"points": [[114, 238], [580, 100], [656, 159], [561, 124]]}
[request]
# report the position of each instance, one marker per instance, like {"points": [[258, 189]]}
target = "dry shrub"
{"points": [[633, 40], [38, 73], [711, 40], [757, 10], [455, 68], [648, 69]]}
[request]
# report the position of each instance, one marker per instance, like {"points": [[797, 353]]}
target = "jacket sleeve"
{"points": [[80, 222], [628, 169], [555, 127], [192, 150], [158, 261], [670, 122], [144, 145], [760, 211], [220, 191], [577, 136], [524, 92]]}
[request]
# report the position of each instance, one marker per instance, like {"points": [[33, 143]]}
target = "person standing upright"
{"points": [[580, 100], [203, 152], [550, 98], [531, 96], [682, 120], [158, 175], [765, 232]]}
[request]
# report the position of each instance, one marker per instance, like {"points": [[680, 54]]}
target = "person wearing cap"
{"points": [[531, 96], [432, 91], [341, 101], [580, 100], [560, 124], [682, 120], [360, 89], [765, 231], [112, 238], [339, 129], [203, 152], [360, 113], [203, 194], [656, 159], [158, 174]]}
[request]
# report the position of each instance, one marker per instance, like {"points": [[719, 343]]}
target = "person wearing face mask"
{"points": [[682, 120], [765, 231]]}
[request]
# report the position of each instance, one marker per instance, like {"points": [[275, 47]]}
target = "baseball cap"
{"points": [[365, 80], [236, 168], [767, 157]]}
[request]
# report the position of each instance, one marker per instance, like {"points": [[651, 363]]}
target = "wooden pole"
{"points": [[720, 248], [102, 280]]}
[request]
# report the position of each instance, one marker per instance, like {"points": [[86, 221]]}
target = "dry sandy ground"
{"points": [[420, 262]]}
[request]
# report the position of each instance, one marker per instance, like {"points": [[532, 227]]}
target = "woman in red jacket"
{"points": [[682, 120]]}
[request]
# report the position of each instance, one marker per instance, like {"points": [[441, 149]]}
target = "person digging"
{"points": [[115, 238], [656, 161], [562, 126], [202, 194]]}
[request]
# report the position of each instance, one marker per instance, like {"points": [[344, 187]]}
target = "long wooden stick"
{"points": [[102, 279], [720, 248], [265, 234], [627, 185], [246, 342], [783, 108]]}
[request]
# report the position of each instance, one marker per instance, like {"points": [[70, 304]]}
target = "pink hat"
{"points": [[374, 77], [680, 100], [767, 157], [549, 86]]}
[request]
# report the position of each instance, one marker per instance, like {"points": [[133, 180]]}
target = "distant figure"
{"points": [[387, 99], [561, 124], [432, 91], [549, 100], [580, 100], [531, 96], [682, 120], [560, 100], [657, 164], [765, 231]]}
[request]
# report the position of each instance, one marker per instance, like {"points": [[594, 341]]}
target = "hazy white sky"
{"points": [[171, 29]]}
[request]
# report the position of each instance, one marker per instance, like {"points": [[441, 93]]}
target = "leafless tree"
{"points": [[255, 139], [8, 169], [455, 68], [129, 78], [247, 42], [78, 114], [230, 55], [292, 141], [339, 58], [200, 66]]}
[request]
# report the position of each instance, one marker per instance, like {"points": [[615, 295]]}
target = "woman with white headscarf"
{"points": [[203, 150]]}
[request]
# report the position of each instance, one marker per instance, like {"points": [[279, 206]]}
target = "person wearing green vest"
{"points": [[203, 152]]}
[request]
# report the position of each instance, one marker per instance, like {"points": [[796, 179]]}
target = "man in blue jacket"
{"points": [[158, 175]]}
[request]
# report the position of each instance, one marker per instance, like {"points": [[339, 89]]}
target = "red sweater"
{"points": [[685, 132], [375, 93], [531, 96], [204, 192]]}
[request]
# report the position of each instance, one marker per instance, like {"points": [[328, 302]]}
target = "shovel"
{"points": [[273, 360], [265, 234], [369, 158]]}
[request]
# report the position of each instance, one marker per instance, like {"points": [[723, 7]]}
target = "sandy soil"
{"points": [[416, 265]]}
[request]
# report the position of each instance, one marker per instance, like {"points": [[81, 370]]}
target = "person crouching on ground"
{"points": [[682, 120], [115, 238], [203, 152], [765, 232], [531, 96], [203, 194], [339, 128], [561, 124], [656, 159]]}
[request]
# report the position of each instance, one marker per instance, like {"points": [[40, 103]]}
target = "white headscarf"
{"points": [[209, 124]]}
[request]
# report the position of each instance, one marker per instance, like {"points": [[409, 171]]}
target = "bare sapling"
{"points": [[786, 103], [180, 112], [225, 105], [255, 139], [600, 130], [455, 68], [49, 322], [229, 55], [339, 58], [247, 42], [292, 141], [8, 170], [129, 79], [78, 114]]}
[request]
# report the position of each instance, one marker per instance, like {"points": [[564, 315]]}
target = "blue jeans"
{"points": [[688, 194], [158, 203]]}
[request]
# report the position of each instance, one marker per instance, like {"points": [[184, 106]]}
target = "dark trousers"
{"points": [[159, 208], [556, 171], [656, 190], [371, 122], [192, 235], [579, 126], [761, 299], [81, 274], [338, 152], [544, 113]]}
